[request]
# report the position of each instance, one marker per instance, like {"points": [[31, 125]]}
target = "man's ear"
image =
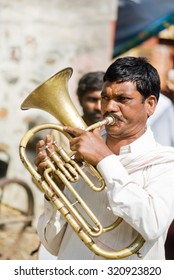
{"points": [[151, 103]]}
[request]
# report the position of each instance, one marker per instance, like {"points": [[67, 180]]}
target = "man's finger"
{"points": [[40, 157], [73, 131]]}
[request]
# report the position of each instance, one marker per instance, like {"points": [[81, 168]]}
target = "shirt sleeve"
{"points": [[148, 209], [51, 227]]}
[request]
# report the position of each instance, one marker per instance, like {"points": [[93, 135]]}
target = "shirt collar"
{"points": [[143, 144]]}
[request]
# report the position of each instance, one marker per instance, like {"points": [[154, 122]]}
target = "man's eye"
{"points": [[123, 99], [92, 99], [104, 98]]}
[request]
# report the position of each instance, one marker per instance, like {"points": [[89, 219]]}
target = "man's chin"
{"points": [[111, 129]]}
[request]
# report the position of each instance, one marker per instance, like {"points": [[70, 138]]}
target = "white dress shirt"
{"points": [[162, 121], [143, 197]]}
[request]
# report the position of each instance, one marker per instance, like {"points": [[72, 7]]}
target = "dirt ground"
{"points": [[17, 241]]}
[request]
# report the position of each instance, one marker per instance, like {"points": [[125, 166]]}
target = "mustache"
{"points": [[115, 116]]}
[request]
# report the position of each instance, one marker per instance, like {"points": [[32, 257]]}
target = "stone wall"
{"points": [[39, 38]]}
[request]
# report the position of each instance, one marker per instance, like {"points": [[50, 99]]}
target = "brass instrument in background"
{"points": [[52, 96]]}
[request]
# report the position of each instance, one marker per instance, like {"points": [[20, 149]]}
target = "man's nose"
{"points": [[112, 106], [98, 105]]}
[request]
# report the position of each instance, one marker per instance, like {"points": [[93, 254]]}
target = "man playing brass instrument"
{"points": [[138, 172]]}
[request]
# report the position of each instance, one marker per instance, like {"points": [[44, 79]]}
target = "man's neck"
{"points": [[115, 144]]}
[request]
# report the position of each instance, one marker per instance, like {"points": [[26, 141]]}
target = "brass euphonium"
{"points": [[52, 96]]}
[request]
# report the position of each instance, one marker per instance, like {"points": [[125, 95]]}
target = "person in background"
{"points": [[162, 121], [169, 245], [89, 96], [162, 124], [138, 171]]}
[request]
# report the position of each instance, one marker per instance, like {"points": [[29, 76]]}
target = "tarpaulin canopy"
{"points": [[139, 20]]}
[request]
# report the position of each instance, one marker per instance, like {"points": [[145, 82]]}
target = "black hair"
{"points": [[91, 81], [137, 70]]}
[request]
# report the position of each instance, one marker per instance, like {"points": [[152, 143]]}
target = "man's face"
{"points": [[91, 105], [123, 100]]}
